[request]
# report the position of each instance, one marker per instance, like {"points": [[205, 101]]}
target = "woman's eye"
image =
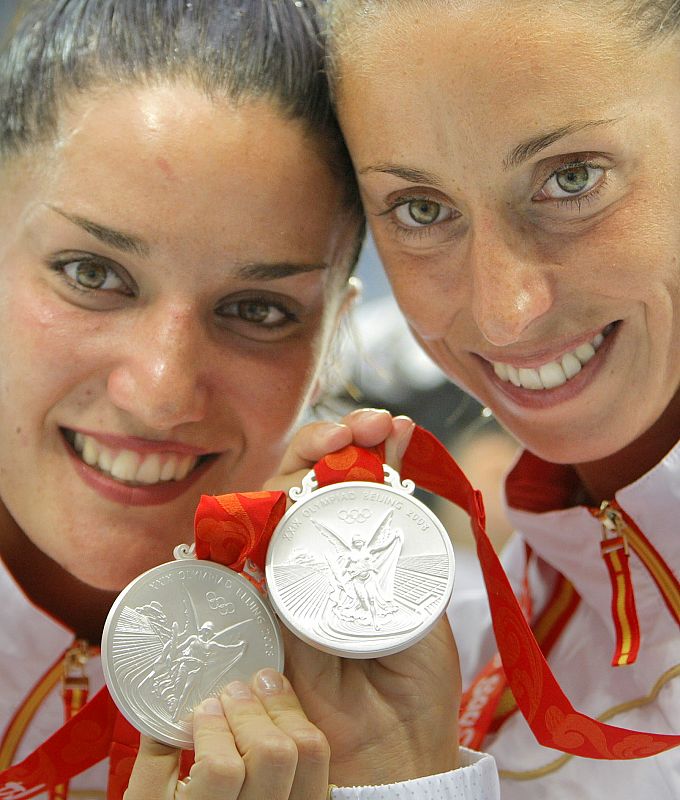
{"points": [[93, 275], [571, 181], [421, 212], [258, 312]]}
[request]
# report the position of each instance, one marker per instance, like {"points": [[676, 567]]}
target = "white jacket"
{"points": [[644, 695]]}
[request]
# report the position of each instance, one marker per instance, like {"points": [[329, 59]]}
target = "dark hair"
{"points": [[653, 18], [234, 49]]}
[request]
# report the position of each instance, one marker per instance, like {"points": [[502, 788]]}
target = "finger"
{"points": [[308, 445], [269, 754], [313, 752], [218, 769], [398, 440], [155, 771], [369, 426]]}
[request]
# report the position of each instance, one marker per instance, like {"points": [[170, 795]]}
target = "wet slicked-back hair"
{"points": [[648, 20], [230, 49]]}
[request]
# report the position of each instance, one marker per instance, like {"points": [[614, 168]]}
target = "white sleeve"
{"points": [[475, 779]]}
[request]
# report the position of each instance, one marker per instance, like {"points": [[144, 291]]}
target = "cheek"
{"points": [[267, 393], [40, 346], [427, 290]]}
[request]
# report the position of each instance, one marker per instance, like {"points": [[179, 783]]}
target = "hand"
{"points": [[253, 742], [386, 719]]}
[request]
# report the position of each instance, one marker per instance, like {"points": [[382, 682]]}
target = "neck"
{"points": [[602, 479], [49, 586]]}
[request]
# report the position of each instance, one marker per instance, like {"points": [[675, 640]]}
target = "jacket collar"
{"points": [[539, 498]]}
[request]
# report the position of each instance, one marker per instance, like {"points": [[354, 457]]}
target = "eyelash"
{"points": [[562, 202], [571, 202], [289, 316], [416, 232], [60, 264]]}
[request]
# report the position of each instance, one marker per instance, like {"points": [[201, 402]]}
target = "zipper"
{"points": [[615, 552]]}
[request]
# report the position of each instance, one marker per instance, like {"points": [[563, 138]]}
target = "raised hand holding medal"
{"points": [[377, 713], [328, 685]]}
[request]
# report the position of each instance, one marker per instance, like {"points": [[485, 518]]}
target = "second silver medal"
{"points": [[178, 634], [359, 569]]}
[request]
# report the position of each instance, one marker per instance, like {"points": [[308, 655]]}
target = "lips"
{"points": [[556, 372], [132, 466], [141, 473]]}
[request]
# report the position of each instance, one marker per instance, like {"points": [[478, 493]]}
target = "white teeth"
{"points": [[184, 467], [584, 353], [133, 467], [169, 469], [150, 470], [530, 379], [513, 374], [501, 370], [125, 465], [571, 365], [105, 460], [90, 451], [554, 373]]}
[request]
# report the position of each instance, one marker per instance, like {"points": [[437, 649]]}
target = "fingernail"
{"points": [[404, 435], [372, 412], [238, 690], [268, 680], [212, 706]]}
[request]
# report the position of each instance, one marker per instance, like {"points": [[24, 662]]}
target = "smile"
{"points": [[131, 467], [553, 373]]}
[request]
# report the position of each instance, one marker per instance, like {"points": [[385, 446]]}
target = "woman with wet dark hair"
{"points": [[179, 221]]}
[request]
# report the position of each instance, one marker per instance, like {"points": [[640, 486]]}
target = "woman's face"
{"points": [[521, 174], [170, 271]]}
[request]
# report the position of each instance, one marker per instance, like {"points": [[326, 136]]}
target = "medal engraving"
{"points": [[359, 569], [180, 633]]}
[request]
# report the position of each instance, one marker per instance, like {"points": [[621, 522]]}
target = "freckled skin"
{"points": [[451, 94], [166, 362]]}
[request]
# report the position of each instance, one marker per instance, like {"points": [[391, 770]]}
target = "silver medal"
{"points": [[180, 633], [359, 569]]}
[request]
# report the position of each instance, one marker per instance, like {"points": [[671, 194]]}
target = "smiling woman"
{"points": [[519, 164], [178, 224]]}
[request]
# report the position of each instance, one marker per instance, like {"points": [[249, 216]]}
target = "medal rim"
{"points": [[285, 618], [112, 683]]}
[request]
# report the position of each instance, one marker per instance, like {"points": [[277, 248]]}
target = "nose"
{"points": [[511, 286], [159, 377]]}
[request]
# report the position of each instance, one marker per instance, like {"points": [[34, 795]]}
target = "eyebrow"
{"points": [[133, 244], [262, 271], [517, 156], [125, 242], [529, 147], [406, 173]]}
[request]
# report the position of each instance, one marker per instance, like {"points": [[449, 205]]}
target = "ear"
{"points": [[351, 295]]}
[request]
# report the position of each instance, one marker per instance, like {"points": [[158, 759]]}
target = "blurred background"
{"points": [[376, 362]]}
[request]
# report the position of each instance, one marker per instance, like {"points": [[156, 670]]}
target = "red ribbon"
{"points": [[235, 529], [553, 720]]}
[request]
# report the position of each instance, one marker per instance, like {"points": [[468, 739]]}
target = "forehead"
{"points": [[170, 163], [438, 67]]}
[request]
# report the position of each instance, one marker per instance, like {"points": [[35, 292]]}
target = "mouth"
{"points": [[134, 468], [557, 372]]}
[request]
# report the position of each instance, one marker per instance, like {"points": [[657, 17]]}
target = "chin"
{"points": [[113, 571]]}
